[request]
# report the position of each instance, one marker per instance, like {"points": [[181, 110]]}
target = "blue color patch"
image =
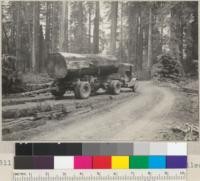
{"points": [[157, 162]]}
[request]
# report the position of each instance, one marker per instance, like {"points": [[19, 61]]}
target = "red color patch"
{"points": [[101, 162]]}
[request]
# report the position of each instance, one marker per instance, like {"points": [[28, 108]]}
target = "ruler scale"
{"points": [[101, 175]]}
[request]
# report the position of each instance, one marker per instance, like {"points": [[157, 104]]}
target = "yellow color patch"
{"points": [[120, 162]]}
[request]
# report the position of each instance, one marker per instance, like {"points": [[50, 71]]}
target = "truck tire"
{"points": [[135, 87], [82, 90], [115, 87], [58, 89]]}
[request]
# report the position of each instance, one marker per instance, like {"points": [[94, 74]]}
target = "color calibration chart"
{"points": [[100, 161]]}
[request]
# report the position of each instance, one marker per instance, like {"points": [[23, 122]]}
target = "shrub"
{"points": [[167, 68]]}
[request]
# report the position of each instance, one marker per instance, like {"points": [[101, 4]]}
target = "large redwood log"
{"points": [[63, 64]]}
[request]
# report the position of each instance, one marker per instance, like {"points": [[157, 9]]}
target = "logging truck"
{"points": [[84, 74]]}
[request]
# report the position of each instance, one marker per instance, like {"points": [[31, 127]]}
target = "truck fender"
{"points": [[132, 82]]}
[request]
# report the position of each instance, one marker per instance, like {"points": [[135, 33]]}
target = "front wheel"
{"points": [[82, 90], [135, 87]]}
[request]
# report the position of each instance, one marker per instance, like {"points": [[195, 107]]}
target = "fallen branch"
{"points": [[189, 131]]}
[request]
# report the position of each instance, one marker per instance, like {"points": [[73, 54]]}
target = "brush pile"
{"points": [[11, 82], [167, 68]]}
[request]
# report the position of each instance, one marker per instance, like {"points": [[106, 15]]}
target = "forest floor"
{"points": [[156, 112]]}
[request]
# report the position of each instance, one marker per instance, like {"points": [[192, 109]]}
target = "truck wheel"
{"points": [[82, 90], [135, 87], [58, 90], [115, 87]]}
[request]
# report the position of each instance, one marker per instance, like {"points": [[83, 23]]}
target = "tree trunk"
{"points": [[121, 35], [195, 33], [161, 27], [132, 33], [63, 35], [6, 46], [149, 58], [28, 19], [161, 32], [89, 26], [137, 39], [13, 30], [96, 29], [173, 44], [181, 40], [81, 28], [140, 39], [47, 31], [66, 37], [179, 30], [145, 44], [19, 37], [141, 44], [55, 26], [42, 51], [35, 40], [114, 14]]}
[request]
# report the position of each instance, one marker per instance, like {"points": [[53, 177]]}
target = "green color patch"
{"points": [[138, 162]]}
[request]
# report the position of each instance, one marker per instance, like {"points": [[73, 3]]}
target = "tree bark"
{"points": [[47, 30], [96, 29], [161, 27], [114, 15], [173, 43], [13, 29], [35, 39], [81, 28], [66, 37], [195, 33], [149, 58], [63, 35], [121, 35], [137, 39], [18, 37], [89, 25], [132, 33], [140, 52], [161, 32], [7, 46], [181, 38], [55, 26]]}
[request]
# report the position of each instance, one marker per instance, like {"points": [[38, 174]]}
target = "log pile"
{"points": [[167, 68], [12, 125]]}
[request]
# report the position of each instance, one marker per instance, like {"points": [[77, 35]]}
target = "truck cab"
{"points": [[127, 76]]}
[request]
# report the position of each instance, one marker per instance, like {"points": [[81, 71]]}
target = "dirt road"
{"points": [[142, 117]]}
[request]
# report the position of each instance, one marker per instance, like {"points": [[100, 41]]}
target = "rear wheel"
{"points": [[82, 90], [58, 89], [115, 87]]}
